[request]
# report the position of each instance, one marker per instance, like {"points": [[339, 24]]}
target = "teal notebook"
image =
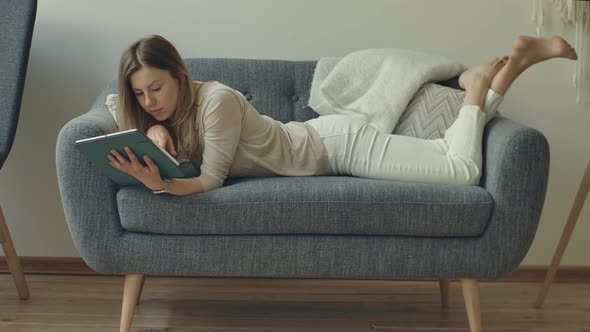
{"points": [[97, 148]]}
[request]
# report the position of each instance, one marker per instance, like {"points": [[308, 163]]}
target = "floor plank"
{"points": [[93, 303]]}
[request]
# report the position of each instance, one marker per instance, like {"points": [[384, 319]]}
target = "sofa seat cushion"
{"points": [[311, 205]]}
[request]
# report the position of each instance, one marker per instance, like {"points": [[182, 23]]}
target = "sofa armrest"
{"points": [[82, 185], [516, 171]]}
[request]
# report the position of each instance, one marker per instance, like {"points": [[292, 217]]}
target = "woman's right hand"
{"points": [[162, 137]]}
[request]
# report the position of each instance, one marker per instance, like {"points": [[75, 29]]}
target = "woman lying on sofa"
{"points": [[215, 124]]}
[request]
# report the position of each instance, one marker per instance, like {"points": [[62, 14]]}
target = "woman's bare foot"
{"points": [[482, 74], [478, 79], [527, 50]]}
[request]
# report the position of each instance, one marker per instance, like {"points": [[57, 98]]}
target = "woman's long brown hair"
{"points": [[157, 52]]}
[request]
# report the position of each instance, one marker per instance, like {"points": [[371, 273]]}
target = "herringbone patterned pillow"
{"points": [[430, 112]]}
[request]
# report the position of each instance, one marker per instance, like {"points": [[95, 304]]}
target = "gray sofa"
{"points": [[305, 227]]}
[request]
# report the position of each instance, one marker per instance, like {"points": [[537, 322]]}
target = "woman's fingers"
{"points": [[148, 174], [170, 147], [120, 162], [113, 161], [119, 158], [132, 156], [133, 166], [160, 135], [150, 164]]}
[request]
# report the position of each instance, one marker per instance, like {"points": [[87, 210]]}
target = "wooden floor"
{"points": [[93, 303]]}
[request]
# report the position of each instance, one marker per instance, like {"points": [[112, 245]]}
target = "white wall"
{"points": [[77, 44]]}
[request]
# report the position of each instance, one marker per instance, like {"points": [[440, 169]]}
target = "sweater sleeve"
{"points": [[222, 125]]}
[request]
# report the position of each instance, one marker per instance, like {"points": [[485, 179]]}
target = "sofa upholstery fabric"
{"points": [[316, 227]]}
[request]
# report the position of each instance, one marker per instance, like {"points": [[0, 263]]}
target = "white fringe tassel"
{"points": [[538, 14], [572, 12]]}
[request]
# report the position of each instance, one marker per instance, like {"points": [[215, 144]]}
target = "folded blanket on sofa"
{"points": [[376, 83]]}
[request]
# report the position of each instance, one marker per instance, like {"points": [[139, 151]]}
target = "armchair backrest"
{"points": [[17, 18]]}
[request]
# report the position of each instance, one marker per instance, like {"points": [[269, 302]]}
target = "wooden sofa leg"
{"points": [[140, 290], [445, 287], [12, 260], [131, 293], [471, 296]]}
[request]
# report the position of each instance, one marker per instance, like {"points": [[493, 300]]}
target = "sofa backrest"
{"points": [[277, 88]]}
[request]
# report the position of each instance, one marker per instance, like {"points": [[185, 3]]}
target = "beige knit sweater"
{"points": [[238, 141]]}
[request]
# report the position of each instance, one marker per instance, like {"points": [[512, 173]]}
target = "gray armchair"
{"points": [[305, 227], [17, 18]]}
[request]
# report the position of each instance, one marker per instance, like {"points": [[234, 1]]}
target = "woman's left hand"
{"points": [[149, 175]]}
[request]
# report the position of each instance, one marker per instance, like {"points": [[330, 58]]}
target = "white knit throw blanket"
{"points": [[572, 12], [376, 84]]}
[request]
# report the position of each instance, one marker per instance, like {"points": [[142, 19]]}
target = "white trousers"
{"points": [[355, 148]]}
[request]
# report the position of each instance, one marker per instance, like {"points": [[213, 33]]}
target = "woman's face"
{"points": [[156, 91]]}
